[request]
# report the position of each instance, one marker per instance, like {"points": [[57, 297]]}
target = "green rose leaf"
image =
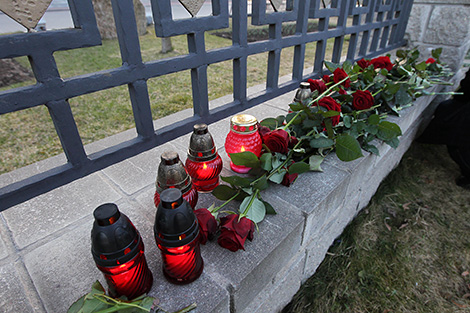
{"points": [[372, 129], [278, 176], [236, 181], [296, 106], [321, 142], [261, 184], [370, 148], [280, 119], [256, 212], [314, 162], [421, 66], [388, 130], [331, 66], [402, 96], [401, 54], [393, 143], [330, 113], [245, 158], [347, 120], [269, 208], [299, 168], [374, 119], [347, 67], [266, 161], [347, 148], [269, 122], [223, 192], [436, 53]]}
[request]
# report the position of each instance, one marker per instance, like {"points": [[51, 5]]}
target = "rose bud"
{"points": [[317, 84], [288, 179], [277, 141], [331, 104], [338, 75], [207, 224], [382, 62], [363, 63], [362, 100], [234, 232]]}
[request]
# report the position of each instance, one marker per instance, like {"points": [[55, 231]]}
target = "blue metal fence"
{"points": [[373, 27]]}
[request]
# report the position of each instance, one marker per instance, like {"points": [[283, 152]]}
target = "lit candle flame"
{"points": [[242, 149], [204, 166]]}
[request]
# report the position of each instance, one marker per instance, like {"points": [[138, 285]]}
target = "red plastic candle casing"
{"points": [[173, 174], [118, 251], [131, 279], [243, 136], [177, 236], [182, 265], [203, 163]]}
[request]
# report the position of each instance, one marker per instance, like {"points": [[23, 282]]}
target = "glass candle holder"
{"points": [[118, 251], [177, 236], [173, 174], [243, 136], [203, 163]]}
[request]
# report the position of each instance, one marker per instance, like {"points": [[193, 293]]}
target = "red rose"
{"points": [[363, 63], [207, 224], [338, 75], [317, 84], [234, 233], [277, 141], [326, 78], [362, 100], [342, 92], [331, 105], [263, 130], [293, 141], [382, 62], [288, 179], [430, 61]]}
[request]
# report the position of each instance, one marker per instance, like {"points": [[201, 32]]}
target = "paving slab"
{"points": [[140, 171], [279, 292], [278, 238], [12, 295], [64, 268], [43, 215]]}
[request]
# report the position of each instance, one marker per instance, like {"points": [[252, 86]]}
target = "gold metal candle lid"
{"points": [[244, 124], [172, 173], [201, 144]]}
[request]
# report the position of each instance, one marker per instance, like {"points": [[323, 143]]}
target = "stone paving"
{"points": [[45, 258]]}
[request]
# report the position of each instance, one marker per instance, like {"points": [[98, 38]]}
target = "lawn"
{"points": [[407, 251], [29, 136]]}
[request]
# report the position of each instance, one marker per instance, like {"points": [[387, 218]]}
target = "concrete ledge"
{"points": [[45, 259]]}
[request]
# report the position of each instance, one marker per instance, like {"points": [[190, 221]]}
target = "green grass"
{"points": [[29, 136], [408, 251]]}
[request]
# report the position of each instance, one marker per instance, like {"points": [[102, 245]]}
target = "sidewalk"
{"points": [[45, 258]]}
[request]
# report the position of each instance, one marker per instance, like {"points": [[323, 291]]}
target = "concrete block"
{"points": [[417, 22], [325, 193], [12, 295], [140, 171], [4, 238], [279, 292], [44, 215], [246, 273], [448, 25], [62, 270]]}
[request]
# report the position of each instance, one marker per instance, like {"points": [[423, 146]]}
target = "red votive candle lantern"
{"points": [[203, 164], [118, 251], [243, 136], [172, 174], [177, 236]]}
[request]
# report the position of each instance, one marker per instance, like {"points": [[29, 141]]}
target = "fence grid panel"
{"points": [[372, 26]]}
